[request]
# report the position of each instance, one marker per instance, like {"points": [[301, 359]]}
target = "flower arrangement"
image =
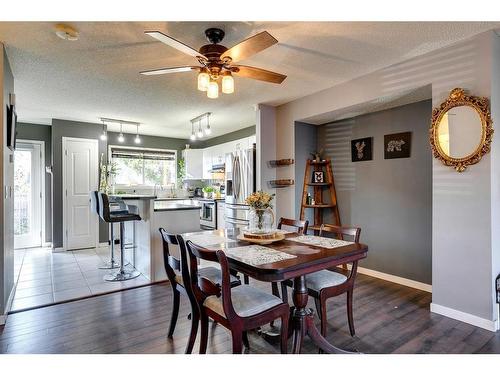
{"points": [[260, 200]]}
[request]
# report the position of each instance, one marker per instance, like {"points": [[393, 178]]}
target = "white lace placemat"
{"points": [[207, 239], [256, 255], [328, 243]]}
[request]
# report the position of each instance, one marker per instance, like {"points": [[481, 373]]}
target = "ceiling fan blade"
{"points": [[176, 69], [169, 41], [257, 73], [250, 46]]}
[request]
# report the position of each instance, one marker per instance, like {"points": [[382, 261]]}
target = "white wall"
{"points": [[266, 150], [462, 222]]}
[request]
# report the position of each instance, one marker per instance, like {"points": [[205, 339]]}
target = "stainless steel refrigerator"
{"points": [[240, 178]]}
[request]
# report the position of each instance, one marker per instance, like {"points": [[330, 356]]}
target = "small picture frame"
{"points": [[397, 145], [361, 149], [318, 177]]}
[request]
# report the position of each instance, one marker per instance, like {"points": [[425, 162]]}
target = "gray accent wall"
{"points": [[391, 200], [72, 129], [35, 132], [233, 136], [7, 201], [306, 142]]}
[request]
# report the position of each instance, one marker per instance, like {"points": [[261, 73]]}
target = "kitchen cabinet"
{"points": [[193, 160], [221, 207]]}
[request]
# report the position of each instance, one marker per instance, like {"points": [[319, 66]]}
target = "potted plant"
{"points": [[208, 192], [261, 218]]}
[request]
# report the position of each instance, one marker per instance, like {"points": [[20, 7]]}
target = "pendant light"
{"points": [[104, 135], [137, 140], [193, 136], [213, 90], [208, 131], [203, 79], [200, 130], [121, 138], [227, 83]]}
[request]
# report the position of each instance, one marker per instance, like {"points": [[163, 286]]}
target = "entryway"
{"points": [[28, 194]]}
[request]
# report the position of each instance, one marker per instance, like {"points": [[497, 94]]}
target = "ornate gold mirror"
{"points": [[461, 130]]}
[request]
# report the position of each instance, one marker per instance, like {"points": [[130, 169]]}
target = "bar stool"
{"points": [[112, 263], [118, 217]]}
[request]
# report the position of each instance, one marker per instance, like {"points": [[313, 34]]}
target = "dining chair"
{"points": [[239, 309], [301, 227], [325, 284], [177, 271]]}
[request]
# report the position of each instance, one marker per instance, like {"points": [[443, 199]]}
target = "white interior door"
{"points": [[27, 195], [80, 174]]}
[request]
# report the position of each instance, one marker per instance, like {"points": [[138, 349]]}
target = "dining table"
{"points": [[294, 257]]}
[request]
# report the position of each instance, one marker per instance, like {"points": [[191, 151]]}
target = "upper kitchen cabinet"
{"points": [[193, 160]]}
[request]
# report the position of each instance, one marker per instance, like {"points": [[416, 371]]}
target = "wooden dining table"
{"points": [[307, 258]]}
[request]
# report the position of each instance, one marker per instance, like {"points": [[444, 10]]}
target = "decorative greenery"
{"points": [[106, 172], [208, 189], [260, 200], [181, 174]]}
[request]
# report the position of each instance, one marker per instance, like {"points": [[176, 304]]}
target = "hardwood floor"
{"points": [[389, 318]]}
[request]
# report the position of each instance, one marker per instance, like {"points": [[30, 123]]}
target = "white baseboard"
{"points": [[490, 325], [58, 249], [47, 244], [396, 279], [8, 305], [103, 244]]}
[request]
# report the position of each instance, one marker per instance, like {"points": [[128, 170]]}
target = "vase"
{"points": [[261, 220]]}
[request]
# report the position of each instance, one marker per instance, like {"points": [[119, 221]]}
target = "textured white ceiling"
{"points": [[98, 74]]}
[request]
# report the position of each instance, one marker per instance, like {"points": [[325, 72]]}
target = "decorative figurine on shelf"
{"points": [[261, 218], [317, 156]]}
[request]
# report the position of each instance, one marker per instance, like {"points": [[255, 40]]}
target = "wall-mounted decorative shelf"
{"points": [[281, 162], [281, 183]]}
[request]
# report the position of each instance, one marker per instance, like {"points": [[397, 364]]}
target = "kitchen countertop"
{"points": [[171, 206], [133, 196]]}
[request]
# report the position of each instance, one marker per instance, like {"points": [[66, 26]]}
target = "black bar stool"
{"points": [[118, 217], [112, 263]]}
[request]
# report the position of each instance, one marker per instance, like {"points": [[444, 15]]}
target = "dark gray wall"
{"points": [[391, 200], [7, 204], [37, 132], [73, 129], [238, 134], [305, 142]]}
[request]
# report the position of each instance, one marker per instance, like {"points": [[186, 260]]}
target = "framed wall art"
{"points": [[361, 149], [397, 145]]}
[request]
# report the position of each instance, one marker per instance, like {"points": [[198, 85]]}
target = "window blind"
{"points": [[142, 154]]}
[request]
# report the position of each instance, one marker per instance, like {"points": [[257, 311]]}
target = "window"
{"points": [[144, 167]]}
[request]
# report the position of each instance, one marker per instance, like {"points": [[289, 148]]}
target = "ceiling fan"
{"points": [[217, 61]]}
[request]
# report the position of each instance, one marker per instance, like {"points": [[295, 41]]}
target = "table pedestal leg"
{"points": [[303, 321]]}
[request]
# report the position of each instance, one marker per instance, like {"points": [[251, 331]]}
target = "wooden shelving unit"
{"points": [[281, 162], [281, 183], [318, 189]]}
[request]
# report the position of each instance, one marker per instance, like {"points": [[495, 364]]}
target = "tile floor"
{"points": [[45, 277]]}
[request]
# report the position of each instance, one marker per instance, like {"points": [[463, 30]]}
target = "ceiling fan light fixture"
{"points": [[213, 90], [203, 80], [227, 83], [137, 139]]}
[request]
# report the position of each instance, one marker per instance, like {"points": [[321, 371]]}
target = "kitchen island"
{"points": [[174, 215]]}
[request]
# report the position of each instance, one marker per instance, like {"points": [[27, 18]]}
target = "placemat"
{"points": [[256, 255], [207, 240], [328, 243]]}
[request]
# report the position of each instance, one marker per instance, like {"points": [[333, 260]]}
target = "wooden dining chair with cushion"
{"points": [[239, 309], [330, 283], [177, 271], [301, 227]]}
